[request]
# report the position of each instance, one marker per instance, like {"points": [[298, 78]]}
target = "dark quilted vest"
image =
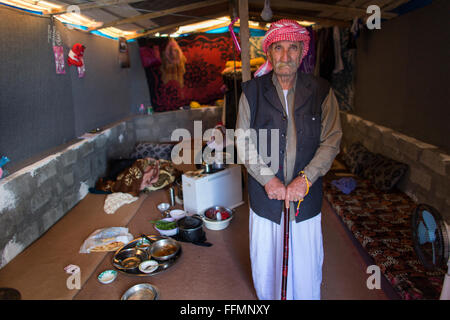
{"points": [[267, 112]]}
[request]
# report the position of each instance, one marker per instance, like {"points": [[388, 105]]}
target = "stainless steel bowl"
{"points": [[142, 291], [159, 248], [210, 218], [129, 259], [211, 215]]}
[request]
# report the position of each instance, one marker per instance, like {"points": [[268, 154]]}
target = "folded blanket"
{"points": [[145, 174], [117, 199], [346, 185], [132, 179]]}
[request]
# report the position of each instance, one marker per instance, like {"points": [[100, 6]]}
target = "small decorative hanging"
{"points": [[59, 59], [3, 160], [266, 14], [55, 37], [124, 57], [76, 58]]}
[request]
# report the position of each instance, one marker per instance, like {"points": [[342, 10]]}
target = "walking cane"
{"points": [[286, 245], [285, 254]]}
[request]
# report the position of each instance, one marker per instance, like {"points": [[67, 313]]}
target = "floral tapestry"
{"points": [[206, 55]]}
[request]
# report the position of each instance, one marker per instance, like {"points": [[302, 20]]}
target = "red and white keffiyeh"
{"points": [[283, 30]]}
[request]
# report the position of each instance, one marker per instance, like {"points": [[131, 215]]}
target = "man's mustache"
{"points": [[285, 64]]}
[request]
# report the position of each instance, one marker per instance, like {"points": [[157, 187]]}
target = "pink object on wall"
{"points": [[59, 59], [233, 35]]}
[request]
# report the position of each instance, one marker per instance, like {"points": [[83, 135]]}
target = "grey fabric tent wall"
{"points": [[402, 74], [40, 110], [36, 107]]}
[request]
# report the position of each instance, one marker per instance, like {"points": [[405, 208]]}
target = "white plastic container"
{"points": [[223, 188]]}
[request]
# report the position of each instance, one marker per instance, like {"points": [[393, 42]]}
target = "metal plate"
{"points": [[142, 291], [164, 265]]}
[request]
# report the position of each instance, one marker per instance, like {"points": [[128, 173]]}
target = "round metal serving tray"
{"points": [[163, 265]]}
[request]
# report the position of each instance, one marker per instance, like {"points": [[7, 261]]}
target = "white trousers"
{"points": [[305, 258]]}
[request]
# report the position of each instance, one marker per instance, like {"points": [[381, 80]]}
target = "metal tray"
{"points": [[164, 265]]}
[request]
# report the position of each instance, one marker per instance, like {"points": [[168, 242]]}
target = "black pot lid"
{"points": [[9, 294], [189, 222]]}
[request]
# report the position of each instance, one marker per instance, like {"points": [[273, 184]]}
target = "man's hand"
{"points": [[275, 189], [296, 190]]}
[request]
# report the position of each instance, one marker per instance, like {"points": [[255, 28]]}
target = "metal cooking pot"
{"points": [[208, 167], [190, 229], [212, 167], [218, 166]]}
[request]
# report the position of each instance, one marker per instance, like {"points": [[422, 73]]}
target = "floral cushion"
{"points": [[381, 222], [153, 150], [358, 158], [384, 173]]}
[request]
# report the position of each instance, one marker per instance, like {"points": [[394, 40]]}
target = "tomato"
{"points": [[225, 215]]}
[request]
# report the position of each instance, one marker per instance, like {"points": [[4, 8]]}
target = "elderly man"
{"points": [[305, 112]]}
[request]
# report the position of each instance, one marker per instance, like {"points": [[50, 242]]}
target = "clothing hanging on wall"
{"points": [[335, 60], [325, 58], [355, 29], [173, 61], [309, 62], [232, 95], [342, 82], [338, 64]]}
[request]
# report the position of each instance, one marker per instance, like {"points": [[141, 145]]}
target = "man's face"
{"points": [[285, 57]]}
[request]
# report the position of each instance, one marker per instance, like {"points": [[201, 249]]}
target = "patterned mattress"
{"points": [[381, 222]]}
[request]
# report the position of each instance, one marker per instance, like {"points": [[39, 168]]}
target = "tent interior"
{"points": [[66, 118]]}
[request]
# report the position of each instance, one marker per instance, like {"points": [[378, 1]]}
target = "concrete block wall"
{"points": [[37, 196], [428, 177], [161, 125]]}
